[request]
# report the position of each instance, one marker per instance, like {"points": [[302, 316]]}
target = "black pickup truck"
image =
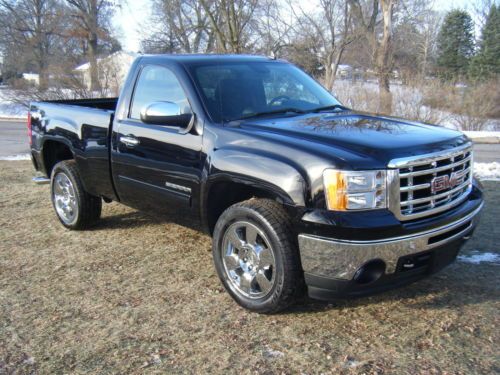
{"points": [[298, 192]]}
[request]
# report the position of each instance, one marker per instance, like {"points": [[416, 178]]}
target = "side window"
{"points": [[157, 84]]}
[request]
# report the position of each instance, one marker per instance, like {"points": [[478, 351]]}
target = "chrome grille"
{"points": [[432, 183]]}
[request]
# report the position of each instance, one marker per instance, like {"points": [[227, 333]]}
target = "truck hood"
{"points": [[362, 138]]}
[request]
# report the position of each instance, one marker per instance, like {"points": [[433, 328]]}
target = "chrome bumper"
{"points": [[340, 259]]}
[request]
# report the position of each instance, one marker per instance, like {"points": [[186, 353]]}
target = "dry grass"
{"points": [[407, 101], [472, 107], [140, 295]]}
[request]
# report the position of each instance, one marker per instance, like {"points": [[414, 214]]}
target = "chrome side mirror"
{"points": [[165, 113]]}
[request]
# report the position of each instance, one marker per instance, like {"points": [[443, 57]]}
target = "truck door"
{"points": [[156, 166]]}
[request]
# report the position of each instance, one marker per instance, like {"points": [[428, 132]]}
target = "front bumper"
{"points": [[332, 264]]}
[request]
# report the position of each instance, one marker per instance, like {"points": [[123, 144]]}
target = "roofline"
{"points": [[185, 57]]}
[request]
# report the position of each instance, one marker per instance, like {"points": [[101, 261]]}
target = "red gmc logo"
{"points": [[447, 182]]}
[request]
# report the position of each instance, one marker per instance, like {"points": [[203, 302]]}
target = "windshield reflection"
{"points": [[236, 90]]}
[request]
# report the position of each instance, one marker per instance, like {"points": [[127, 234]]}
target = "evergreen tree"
{"points": [[455, 44], [487, 61]]}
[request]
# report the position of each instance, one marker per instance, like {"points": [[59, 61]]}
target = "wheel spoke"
{"points": [[57, 187], [235, 239], [59, 182], [265, 258], [232, 262], [264, 283], [246, 282], [71, 208], [251, 235], [59, 202]]}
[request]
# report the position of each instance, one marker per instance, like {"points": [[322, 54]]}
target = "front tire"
{"points": [[256, 256], [75, 208]]}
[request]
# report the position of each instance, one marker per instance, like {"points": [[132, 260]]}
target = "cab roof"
{"points": [[207, 58]]}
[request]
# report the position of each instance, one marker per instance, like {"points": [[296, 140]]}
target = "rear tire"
{"points": [[75, 208], [256, 256]]}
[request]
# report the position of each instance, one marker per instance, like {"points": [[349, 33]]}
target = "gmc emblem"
{"points": [[447, 182]]}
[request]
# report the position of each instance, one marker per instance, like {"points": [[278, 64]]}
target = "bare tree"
{"points": [[428, 41], [230, 21], [330, 25], [274, 28], [179, 26], [368, 18], [416, 28], [31, 26], [383, 56], [481, 9], [92, 18]]}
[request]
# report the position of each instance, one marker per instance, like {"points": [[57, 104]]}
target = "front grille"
{"points": [[432, 184]]}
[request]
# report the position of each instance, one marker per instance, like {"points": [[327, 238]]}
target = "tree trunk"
{"points": [[329, 73], [40, 38], [94, 69], [425, 48], [42, 76], [336, 63], [219, 35], [231, 23], [385, 95], [383, 57]]}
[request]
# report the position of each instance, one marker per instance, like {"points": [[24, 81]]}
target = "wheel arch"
{"points": [[55, 150], [224, 191], [238, 174]]}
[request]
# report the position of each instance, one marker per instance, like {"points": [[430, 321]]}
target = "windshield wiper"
{"points": [[275, 112], [329, 107]]}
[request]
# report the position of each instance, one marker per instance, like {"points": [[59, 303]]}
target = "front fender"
{"points": [[258, 170]]}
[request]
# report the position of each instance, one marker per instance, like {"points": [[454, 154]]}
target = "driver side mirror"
{"points": [[165, 113]]}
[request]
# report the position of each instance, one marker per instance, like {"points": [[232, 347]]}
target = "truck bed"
{"points": [[84, 126], [99, 103]]}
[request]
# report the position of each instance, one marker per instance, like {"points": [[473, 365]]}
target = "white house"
{"points": [[33, 78], [112, 70], [344, 71]]}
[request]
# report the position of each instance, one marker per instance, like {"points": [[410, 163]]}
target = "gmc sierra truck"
{"points": [[299, 193]]}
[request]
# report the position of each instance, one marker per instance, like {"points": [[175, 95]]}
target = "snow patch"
{"points": [[16, 157], [480, 134], [270, 353], [487, 171], [477, 257], [483, 136]]}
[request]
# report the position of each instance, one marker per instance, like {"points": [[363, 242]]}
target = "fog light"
{"points": [[370, 272]]}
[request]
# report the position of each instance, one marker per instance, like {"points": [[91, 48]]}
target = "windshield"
{"points": [[233, 90]]}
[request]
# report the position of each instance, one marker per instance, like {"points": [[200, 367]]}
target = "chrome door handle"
{"points": [[129, 141]]}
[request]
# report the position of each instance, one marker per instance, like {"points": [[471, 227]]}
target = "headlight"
{"points": [[353, 190]]}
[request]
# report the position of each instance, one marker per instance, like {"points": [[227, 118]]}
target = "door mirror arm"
{"points": [[190, 125]]}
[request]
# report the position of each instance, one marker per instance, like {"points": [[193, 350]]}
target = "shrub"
{"points": [[472, 107]]}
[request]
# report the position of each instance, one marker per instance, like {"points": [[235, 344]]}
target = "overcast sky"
{"points": [[130, 19]]}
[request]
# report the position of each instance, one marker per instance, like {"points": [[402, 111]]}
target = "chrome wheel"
{"points": [[64, 198], [248, 260]]}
